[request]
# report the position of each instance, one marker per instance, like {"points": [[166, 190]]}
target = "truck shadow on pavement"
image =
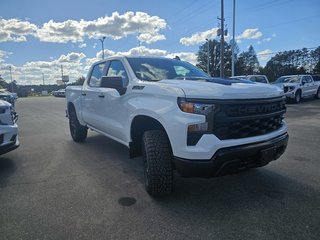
{"points": [[7, 168]]}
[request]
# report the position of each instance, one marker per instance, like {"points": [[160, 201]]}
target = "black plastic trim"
{"points": [[234, 159]]}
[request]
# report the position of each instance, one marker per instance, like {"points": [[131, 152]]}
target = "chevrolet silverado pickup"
{"points": [[178, 118]]}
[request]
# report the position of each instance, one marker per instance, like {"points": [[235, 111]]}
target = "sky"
{"points": [[38, 36]]}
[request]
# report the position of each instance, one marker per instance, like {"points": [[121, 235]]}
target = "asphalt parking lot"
{"points": [[53, 188]]}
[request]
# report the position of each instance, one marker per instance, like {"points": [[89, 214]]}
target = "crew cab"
{"points": [[178, 118], [296, 87], [8, 128]]}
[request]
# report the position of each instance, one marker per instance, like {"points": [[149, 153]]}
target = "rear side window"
{"points": [[96, 75]]}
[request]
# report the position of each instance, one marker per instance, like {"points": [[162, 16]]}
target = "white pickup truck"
{"points": [[296, 87], [178, 118]]}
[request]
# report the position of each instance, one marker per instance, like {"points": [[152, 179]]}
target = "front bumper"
{"points": [[290, 94], [10, 146], [234, 159]]}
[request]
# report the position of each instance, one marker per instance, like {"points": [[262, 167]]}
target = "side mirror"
{"points": [[115, 83], [303, 82]]}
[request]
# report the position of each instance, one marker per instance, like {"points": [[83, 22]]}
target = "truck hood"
{"points": [[225, 89]]}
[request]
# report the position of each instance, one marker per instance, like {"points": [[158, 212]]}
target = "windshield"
{"points": [[155, 69], [288, 79]]}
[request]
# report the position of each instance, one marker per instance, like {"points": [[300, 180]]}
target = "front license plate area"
{"points": [[268, 155]]}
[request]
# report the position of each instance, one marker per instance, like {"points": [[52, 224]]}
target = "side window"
{"points": [[309, 80], [96, 75], [116, 69], [261, 79]]}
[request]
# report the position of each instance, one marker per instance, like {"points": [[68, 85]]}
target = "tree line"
{"points": [[300, 61]]}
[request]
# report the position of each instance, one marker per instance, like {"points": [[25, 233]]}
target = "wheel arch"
{"points": [[139, 125]]}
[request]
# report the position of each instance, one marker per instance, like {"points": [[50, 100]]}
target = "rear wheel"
{"points": [[297, 98], [77, 131], [156, 154]]}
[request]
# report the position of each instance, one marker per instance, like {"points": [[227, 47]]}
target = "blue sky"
{"points": [[38, 36]]}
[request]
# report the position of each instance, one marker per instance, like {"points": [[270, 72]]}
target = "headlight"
{"points": [[196, 107], [291, 88]]}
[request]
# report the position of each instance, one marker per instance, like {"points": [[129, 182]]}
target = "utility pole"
{"points": [[222, 42], [11, 79], [102, 40], [233, 37], [208, 58], [42, 79]]}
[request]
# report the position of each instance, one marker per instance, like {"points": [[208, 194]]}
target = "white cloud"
{"points": [[116, 26], [151, 38], [15, 30], [250, 33], [264, 55], [267, 39], [75, 64], [199, 37], [4, 55], [61, 32], [82, 45], [185, 56]]}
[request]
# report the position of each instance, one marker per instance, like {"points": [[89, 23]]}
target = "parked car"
{"points": [[8, 128], [177, 117], [7, 96], [254, 78], [59, 93], [296, 87]]}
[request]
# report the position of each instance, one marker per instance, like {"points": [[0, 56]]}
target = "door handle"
{"points": [[83, 94], [101, 96]]}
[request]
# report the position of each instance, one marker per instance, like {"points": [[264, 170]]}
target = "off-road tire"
{"points": [[157, 155], [297, 97], [77, 131]]}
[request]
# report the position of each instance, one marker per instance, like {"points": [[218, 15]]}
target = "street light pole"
{"points": [[208, 58], [233, 36], [11, 79], [222, 42], [102, 40]]}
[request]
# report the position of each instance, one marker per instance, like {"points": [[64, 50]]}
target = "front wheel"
{"points": [[77, 131], [156, 154], [297, 97]]}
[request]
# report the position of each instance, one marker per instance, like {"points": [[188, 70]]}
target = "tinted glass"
{"points": [[155, 69], [116, 69], [96, 74], [288, 79]]}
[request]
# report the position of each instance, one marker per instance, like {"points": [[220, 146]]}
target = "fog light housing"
{"points": [[199, 127]]}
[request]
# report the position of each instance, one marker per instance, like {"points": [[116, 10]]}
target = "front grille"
{"points": [[243, 118], [285, 89]]}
